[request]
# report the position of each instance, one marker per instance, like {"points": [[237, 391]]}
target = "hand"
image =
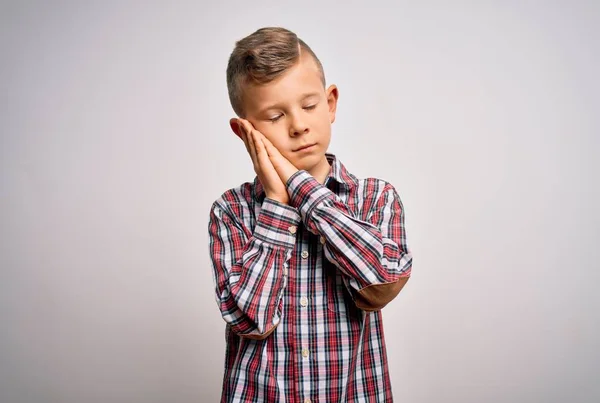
{"points": [[253, 140], [282, 165]]}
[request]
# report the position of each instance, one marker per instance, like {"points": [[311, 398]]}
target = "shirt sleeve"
{"points": [[371, 254], [250, 269]]}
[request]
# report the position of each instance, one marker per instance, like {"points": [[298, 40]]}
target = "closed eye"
{"points": [[275, 119], [311, 107]]}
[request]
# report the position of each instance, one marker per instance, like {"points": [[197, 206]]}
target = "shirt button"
{"points": [[322, 239], [303, 301], [285, 271], [292, 229], [305, 352], [304, 254]]}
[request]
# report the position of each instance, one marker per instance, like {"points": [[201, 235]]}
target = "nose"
{"points": [[298, 126]]}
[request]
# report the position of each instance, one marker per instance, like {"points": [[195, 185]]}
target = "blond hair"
{"points": [[260, 58]]}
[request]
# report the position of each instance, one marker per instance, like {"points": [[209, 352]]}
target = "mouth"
{"points": [[306, 147]]}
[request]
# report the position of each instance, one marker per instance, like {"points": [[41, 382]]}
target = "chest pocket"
{"points": [[339, 299]]}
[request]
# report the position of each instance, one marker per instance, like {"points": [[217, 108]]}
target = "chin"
{"points": [[308, 163]]}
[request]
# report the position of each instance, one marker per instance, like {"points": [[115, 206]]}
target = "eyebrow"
{"points": [[302, 98]]}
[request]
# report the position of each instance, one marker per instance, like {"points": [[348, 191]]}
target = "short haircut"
{"points": [[260, 58]]}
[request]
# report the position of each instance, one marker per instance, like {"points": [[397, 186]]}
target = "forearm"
{"points": [[251, 274], [369, 248]]}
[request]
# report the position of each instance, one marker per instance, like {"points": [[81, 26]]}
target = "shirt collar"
{"points": [[338, 173]]}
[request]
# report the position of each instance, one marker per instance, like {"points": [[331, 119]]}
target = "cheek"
{"points": [[274, 136], [267, 131], [321, 120]]}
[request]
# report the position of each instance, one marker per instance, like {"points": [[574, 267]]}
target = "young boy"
{"points": [[304, 257]]}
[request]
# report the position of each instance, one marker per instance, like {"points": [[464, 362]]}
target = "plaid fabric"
{"points": [[286, 281]]}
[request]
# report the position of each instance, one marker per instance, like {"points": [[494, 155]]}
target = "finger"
{"points": [[247, 135], [274, 153], [259, 141], [252, 144], [244, 138], [270, 148], [243, 134], [261, 151], [262, 155]]}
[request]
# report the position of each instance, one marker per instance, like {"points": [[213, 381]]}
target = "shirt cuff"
{"points": [[277, 223], [305, 192]]}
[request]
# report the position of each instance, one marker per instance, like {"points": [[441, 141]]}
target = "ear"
{"points": [[332, 98], [234, 123]]}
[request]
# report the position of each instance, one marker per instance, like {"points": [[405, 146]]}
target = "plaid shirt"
{"points": [[300, 287]]}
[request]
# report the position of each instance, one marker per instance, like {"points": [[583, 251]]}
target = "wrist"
{"points": [[279, 199]]}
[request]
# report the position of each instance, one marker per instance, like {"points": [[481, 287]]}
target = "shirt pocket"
{"points": [[338, 297]]}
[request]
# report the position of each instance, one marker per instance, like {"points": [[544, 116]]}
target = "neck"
{"points": [[321, 170]]}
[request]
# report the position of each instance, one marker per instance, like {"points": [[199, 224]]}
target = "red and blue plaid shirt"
{"points": [[301, 286]]}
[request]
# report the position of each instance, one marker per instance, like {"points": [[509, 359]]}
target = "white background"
{"points": [[115, 142]]}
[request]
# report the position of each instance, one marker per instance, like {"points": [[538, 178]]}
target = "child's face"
{"points": [[294, 111]]}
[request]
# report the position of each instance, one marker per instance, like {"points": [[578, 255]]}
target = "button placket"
{"points": [[304, 275]]}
